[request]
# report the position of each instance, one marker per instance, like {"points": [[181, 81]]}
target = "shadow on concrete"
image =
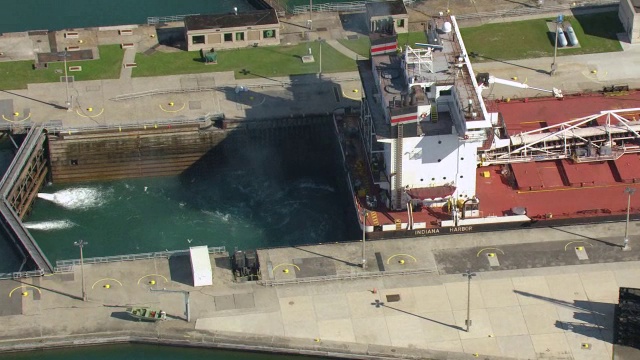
{"points": [[327, 256], [180, 269], [51, 290], [474, 55], [379, 304], [355, 23], [36, 100], [122, 315], [223, 263], [593, 319], [588, 237]]}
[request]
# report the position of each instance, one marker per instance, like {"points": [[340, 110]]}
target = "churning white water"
{"points": [[76, 198], [49, 225]]}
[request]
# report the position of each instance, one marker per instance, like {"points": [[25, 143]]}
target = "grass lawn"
{"points": [[411, 38], [532, 38], [17, 74], [361, 45], [258, 62]]}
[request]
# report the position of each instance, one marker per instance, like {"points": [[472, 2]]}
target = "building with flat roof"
{"points": [[230, 31]]}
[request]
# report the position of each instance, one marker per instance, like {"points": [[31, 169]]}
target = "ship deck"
{"points": [[550, 189]]}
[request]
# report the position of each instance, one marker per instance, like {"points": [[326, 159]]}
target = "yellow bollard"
{"points": [[25, 293], [286, 271], [16, 114], [145, 127], [514, 78], [152, 282], [120, 128], [171, 103], [107, 286], [594, 71], [355, 90], [90, 109], [401, 262], [316, 340]]}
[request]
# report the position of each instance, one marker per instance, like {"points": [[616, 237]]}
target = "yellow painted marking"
{"points": [[572, 188], [351, 98], [489, 248], [22, 287], [277, 266], [165, 279], [105, 279], [172, 111], [577, 241], [532, 122], [90, 116], [407, 255], [16, 121]]}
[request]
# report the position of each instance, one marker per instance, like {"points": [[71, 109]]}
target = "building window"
{"points": [[228, 37], [239, 36], [445, 92], [269, 34], [197, 39], [400, 23]]}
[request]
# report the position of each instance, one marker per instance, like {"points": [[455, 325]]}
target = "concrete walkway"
{"points": [[128, 58], [562, 312], [344, 50]]}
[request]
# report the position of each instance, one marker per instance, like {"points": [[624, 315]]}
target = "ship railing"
{"points": [[345, 276], [21, 274], [525, 11], [68, 264], [154, 20]]}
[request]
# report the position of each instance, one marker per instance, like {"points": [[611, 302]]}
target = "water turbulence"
{"points": [[49, 225], [76, 198]]}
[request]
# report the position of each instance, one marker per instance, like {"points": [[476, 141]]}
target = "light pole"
{"points": [[81, 244], [630, 192], [555, 47], [364, 235], [310, 12], [469, 275], [66, 81], [321, 41]]}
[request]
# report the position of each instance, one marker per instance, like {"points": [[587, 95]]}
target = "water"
{"points": [[147, 352], [243, 199], [64, 14]]}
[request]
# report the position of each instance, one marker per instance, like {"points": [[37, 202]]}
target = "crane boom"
{"points": [[494, 80]]}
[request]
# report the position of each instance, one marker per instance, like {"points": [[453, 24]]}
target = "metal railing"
{"points": [[133, 257], [525, 11], [56, 127], [347, 276], [351, 6], [154, 20], [21, 274]]}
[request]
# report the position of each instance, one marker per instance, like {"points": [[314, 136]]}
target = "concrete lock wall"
{"points": [[630, 21]]}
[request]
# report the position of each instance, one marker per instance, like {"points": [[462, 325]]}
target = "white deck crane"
{"points": [[494, 80]]}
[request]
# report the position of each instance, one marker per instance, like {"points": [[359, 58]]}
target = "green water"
{"points": [[64, 14], [286, 191], [146, 352]]}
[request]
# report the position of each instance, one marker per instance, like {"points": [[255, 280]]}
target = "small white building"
{"points": [[628, 15], [229, 31], [201, 266]]}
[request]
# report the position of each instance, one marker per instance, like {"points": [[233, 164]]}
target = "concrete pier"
{"points": [[543, 300]]}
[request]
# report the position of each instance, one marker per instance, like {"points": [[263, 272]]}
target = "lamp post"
{"points": [[469, 275], [555, 47], [66, 81], [81, 244], [320, 41], [364, 235], [630, 192]]}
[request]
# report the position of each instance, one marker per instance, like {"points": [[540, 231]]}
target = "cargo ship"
{"points": [[426, 154]]}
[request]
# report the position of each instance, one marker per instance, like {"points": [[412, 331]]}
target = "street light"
{"points": [[66, 79], [364, 235], [469, 275], [81, 244], [555, 47], [630, 192]]}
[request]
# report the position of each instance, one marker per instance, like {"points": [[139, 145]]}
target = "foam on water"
{"points": [[315, 186], [49, 225], [76, 198]]}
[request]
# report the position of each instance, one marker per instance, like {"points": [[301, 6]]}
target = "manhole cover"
{"points": [[393, 298]]}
